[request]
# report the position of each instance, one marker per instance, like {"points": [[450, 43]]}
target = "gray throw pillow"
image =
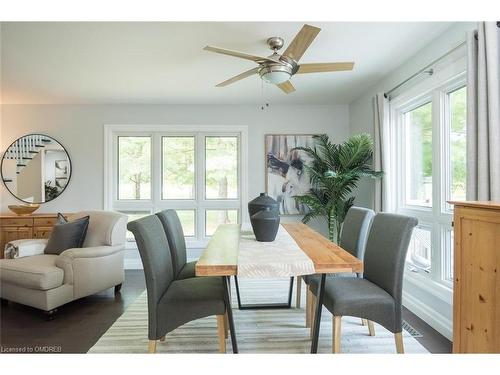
{"points": [[67, 236]]}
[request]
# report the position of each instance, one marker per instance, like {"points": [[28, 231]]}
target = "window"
{"points": [[198, 173], [188, 221], [178, 168], [448, 246], [419, 249], [134, 167], [418, 140], [429, 124], [221, 166], [216, 217], [457, 146]]}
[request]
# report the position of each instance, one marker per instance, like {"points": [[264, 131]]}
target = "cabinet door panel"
{"points": [[16, 222], [477, 284], [44, 221], [42, 232]]}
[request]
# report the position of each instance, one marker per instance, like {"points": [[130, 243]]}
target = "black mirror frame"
{"points": [[45, 135]]}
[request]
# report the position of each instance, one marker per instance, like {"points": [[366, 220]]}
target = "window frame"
{"points": [[200, 204], [438, 217]]}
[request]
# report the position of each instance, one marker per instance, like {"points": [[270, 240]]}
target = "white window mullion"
{"points": [[445, 154], [200, 185], [437, 121], [177, 203], [222, 204], [156, 171]]}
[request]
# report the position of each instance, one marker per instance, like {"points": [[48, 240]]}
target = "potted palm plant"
{"points": [[334, 172]]}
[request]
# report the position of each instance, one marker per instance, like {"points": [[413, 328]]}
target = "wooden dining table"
{"points": [[220, 258]]}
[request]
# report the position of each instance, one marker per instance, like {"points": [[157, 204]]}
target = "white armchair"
{"points": [[48, 281]]}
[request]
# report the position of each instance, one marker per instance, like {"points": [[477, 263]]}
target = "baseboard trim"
{"points": [[432, 317]]}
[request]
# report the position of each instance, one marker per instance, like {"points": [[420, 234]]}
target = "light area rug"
{"points": [[258, 331]]}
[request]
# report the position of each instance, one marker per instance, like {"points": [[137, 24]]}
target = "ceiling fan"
{"points": [[278, 69]]}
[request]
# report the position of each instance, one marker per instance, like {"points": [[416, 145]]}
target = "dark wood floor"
{"points": [[77, 326], [80, 324]]}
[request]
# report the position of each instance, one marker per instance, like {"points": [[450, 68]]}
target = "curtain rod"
{"points": [[426, 69]]}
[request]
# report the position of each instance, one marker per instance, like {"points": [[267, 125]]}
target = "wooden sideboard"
{"points": [[14, 227], [476, 295]]}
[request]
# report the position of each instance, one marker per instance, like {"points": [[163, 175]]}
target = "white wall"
{"points": [[432, 303], [79, 128]]}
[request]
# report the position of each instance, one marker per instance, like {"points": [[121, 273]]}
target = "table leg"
{"points": [[237, 291], [262, 306], [317, 314], [299, 292], [290, 291], [230, 314]]}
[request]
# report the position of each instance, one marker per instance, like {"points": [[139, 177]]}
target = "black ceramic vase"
{"points": [[261, 202], [265, 225], [265, 217]]}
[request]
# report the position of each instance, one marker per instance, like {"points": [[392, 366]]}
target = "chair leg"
{"points": [[299, 292], [118, 288], [371, 328], [364, 322], [221, 331], [162, 339], [312, 310], [308, 307], [229, 312], [226, 326], [336, 334], [398, 337], [152, 346]]}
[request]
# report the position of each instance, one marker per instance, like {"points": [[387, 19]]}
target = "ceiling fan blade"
{"points": [[301, 42], [286, 87], [241, 55], [246, 74], [325, 67]]}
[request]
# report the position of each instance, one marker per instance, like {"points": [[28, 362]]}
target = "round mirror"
{"points": [[36, 168]]}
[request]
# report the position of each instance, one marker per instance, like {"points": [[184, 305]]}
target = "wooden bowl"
{"points": [[23, 209]]}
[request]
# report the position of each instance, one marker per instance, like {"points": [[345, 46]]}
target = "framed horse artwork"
{"points": [[285, 173]]}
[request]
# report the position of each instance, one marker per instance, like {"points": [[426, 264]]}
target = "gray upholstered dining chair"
{"points": [[352, 239], [175, 236], [377, 295], [172, 303]]}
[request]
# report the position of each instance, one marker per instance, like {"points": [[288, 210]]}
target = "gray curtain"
{"points": [[483, 113], [381, 153]]}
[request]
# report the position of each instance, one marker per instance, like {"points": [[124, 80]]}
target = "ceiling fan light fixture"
{"points": [[275, 74], [276, 77], [277, 69]]}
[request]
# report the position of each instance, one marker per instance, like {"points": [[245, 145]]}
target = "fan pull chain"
{"points": [[262, 95]]}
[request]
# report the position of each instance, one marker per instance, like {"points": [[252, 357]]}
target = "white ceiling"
{"points": [[163, 62]]}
